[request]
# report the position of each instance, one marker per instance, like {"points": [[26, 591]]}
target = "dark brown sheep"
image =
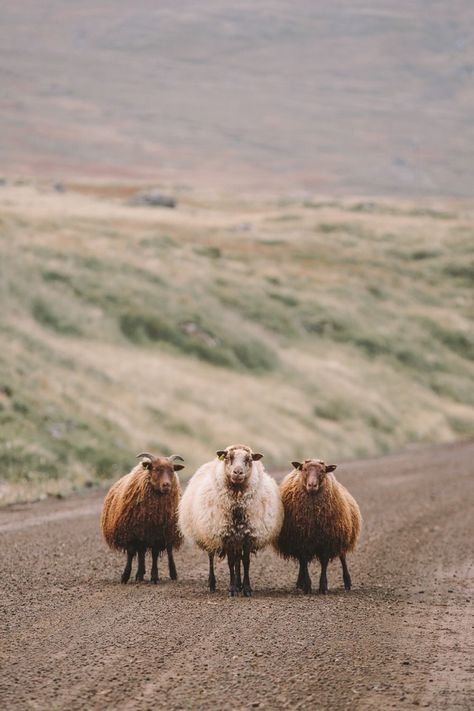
{"points": [[322, 520], [140, 513]]}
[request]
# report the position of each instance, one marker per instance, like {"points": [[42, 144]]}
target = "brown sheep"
{"points": [[140, 512], [322, 520]]}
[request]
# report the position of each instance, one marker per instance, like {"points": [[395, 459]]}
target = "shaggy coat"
{"points": [[223, 519], [137, 517], [324, 524]]}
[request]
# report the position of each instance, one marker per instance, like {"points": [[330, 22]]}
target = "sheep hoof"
{"points": [[247, 592], [124, 579], [323, 591], [154, 581], [233, 593], [139, 578]]}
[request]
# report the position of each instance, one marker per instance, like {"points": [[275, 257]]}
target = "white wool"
{"points": [[205, 509]]}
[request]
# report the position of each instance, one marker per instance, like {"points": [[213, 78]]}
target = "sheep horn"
{"points": [[145, 454], [174, 457]]}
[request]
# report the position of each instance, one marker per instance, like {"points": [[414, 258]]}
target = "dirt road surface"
{"points": [[72, 637]]}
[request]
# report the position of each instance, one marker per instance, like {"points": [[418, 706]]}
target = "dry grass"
{"points": [[315, 328]]}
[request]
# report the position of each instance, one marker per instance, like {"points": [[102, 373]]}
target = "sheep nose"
{"points": [[166, 486], [238, 471]]}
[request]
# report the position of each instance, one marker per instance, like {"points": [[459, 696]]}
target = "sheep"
{"points": [[140, 512], [322, 520], [231, 507]]}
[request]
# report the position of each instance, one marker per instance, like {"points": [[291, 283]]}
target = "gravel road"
{"points": [[72, 637]]}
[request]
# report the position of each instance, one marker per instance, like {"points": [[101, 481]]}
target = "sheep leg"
{"points": [[128, 566], [212, 578], [141, 565], [232, 586], [305, 578], [246, 558], [238, 576], [345, 572], [323, 580], [154, 577], [301, 575], [171, 564]]}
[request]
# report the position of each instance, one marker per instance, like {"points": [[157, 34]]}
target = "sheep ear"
{"points": [[178, 467], [330, 468], [256, 456], [221, 453], [296, 465]]}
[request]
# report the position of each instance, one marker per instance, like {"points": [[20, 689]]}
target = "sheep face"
{"points": [[161, 473], [238, 461], [313, 473]]}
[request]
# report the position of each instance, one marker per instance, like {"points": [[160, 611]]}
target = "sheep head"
{"points": [[238, 460], [313, 473], [161, 470]]}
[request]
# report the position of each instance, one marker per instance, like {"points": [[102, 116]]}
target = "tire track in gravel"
{"points": [[21, 523]]}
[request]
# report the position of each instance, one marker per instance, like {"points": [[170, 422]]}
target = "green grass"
{"points": [[223, 350], [209, 251], [51, 316], [42, 436], [335, 410], [463, 271], [286, 299]]}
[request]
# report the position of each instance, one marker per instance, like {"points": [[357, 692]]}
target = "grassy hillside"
{"points": [[324, 328]]}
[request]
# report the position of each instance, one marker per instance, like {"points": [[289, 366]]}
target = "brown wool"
{"points": [[326, 525], [134, 513]]}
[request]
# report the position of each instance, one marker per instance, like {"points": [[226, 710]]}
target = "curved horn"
{"points": [[145, 454], [174, 457]]}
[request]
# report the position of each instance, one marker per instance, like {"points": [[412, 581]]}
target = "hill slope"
{"points": [[335, 329]]}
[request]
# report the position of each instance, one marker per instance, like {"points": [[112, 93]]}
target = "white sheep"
{"points": [[232, 507]]}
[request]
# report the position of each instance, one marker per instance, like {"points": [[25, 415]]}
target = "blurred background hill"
{"points": [[310, 294], [346, 96]]}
